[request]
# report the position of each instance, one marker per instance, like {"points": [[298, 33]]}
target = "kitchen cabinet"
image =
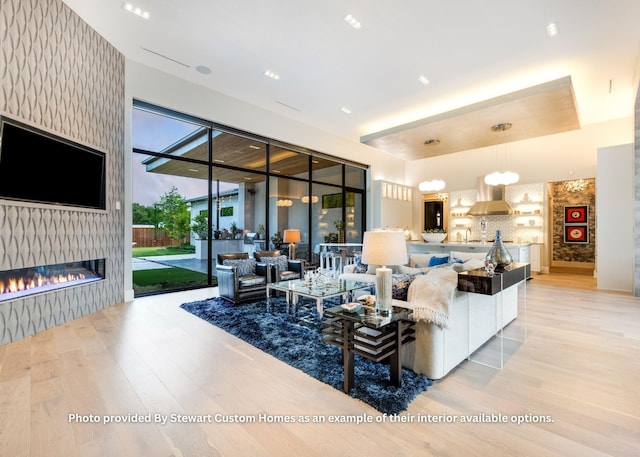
{"points": [[534, 259]]}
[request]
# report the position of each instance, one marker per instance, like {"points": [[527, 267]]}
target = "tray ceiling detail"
{"points": [[540, 110]]}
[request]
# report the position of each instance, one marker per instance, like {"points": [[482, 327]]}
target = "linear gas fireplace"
{"points": [[35, 280]]}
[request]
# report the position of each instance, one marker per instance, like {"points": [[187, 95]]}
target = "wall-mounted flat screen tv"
{"points": [[36, 166]]}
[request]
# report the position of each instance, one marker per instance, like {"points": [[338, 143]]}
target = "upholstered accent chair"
{"points": [[241, 278], [282, 268]]}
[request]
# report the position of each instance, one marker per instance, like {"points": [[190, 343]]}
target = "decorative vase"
{"points": [[498, 253]]}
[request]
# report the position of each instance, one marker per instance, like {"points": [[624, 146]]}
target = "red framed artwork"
{"points": [[576, 214], [576, 234]]}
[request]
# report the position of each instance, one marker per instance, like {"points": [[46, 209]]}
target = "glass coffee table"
{"points": [[297, 288]]}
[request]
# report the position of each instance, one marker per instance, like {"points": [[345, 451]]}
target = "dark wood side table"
{"points": [[369, 335]]}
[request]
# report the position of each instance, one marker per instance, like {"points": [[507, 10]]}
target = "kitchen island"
{"points": [[520, 252]]}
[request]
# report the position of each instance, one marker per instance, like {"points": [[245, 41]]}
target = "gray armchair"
{"points": [[282, 269], [241, 278]]}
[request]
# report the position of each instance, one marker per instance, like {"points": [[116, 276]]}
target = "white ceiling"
{"points": [[469, 50]]}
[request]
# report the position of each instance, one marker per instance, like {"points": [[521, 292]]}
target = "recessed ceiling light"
{"points": [[423, 80], [501, 127], [204, 70], [271, 75], [253, 146], [135, 10], [552, 29], [218, 160], [353, 22], [194, 170], [345, 110]]}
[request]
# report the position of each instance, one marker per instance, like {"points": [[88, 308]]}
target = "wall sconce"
{"points": [[307, 199], [284, 202], [395, 191]]}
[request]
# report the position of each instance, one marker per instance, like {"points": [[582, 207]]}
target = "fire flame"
{"points": [[13, 285]]}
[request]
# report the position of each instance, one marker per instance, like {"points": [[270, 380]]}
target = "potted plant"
{"points": [[434, 235], [200, 227], [260, 233], [276, 239]]}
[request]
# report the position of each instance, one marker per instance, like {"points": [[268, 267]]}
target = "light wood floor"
{"points": [[579, 368]]}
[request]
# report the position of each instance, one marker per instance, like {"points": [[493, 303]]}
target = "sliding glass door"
{"points": [[208, 189]]}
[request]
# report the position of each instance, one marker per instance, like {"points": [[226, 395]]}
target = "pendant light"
{"points": [[501, 177]]}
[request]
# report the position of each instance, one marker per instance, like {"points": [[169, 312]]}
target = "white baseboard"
{"points": [[128, 295]]}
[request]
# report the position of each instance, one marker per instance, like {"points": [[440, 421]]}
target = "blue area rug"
{"points": [[301, 346]]}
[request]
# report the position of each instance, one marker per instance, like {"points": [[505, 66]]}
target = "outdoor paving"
{"points": [[186, 261]]}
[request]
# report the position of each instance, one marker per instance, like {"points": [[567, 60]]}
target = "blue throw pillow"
{"points": [[435, 261], [400, 285], [360, 267]]}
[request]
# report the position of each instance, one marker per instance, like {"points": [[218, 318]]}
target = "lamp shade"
{"points": [[291, 236], [384, 248]]}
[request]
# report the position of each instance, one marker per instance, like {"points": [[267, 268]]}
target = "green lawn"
{"points": [[147, 281], [166, 279], [163, 250]]}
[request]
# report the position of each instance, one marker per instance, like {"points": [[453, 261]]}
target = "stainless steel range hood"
{"points": [[490, 201]]}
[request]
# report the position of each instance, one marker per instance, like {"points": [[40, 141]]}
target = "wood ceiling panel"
{"points": [[237, 151], [537, 111]]}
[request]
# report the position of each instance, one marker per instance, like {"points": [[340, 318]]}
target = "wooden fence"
{"points": [[148, 236]]}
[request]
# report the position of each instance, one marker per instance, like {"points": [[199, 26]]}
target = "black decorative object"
{"points": [[498, 253]]}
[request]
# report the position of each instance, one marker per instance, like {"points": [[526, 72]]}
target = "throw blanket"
{"points": [[430, 296]]}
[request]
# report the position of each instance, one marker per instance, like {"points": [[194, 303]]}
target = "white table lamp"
{"points": [[292, 236], [384, 248]]}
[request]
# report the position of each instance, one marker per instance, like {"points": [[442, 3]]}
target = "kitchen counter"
{"points": [[452, 244], [520, 252]]}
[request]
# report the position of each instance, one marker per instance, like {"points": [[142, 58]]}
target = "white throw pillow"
{"points": [[464, 256], [470, 264], [412, 270]]}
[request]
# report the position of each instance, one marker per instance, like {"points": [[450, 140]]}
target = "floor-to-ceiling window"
{"points": [[201, 189]]}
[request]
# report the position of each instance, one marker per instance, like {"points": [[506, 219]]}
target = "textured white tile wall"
{"points": [[58, 74], [524, 197]]}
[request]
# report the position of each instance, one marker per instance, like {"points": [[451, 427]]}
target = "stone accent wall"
{"points": [[569, 252], [58, 74]]}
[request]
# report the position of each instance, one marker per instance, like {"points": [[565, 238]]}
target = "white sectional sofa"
{"points": [[471, 318]]}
